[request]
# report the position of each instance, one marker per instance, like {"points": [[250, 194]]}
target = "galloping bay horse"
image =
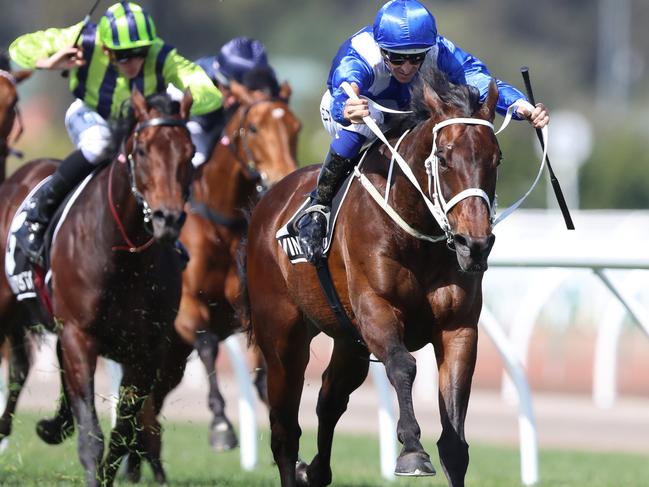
{"points": [[8, 107], [401, 292], [257, 149], [116, 279]]}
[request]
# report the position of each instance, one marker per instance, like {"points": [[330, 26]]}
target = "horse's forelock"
{"points": [[163, 103], [464, 98]]}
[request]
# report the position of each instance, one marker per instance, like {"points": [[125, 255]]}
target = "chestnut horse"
{"points": [[8, 108], [257, 149], [400, 292], [116, 278]]}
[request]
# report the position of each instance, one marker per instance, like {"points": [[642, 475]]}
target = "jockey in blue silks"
{"points": [[381, 62], [245, 61]]}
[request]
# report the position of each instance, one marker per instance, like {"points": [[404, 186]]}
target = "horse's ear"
{"points": [[285, 91], [139, 104], [488, 109], [241, 93], [22, 75], [433, 101], [186, 104]]}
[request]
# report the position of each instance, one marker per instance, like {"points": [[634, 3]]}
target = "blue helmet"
{"points": [[404, 25], [237, 57]]}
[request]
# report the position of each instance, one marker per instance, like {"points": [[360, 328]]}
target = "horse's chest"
{"points": [[454, 303]]}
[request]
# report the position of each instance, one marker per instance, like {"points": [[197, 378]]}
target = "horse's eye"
{"points": [[140, 152], [253, 128], [441, 160]]}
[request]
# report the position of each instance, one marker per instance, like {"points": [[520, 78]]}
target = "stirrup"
{"points": [[312, 234], [313, 208]]}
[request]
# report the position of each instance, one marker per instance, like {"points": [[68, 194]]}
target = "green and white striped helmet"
{"points": [[126, 25]]}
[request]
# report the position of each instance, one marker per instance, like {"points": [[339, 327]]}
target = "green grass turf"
{"points": [[190, 462]]}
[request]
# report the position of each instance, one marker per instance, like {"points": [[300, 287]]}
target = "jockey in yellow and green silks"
{"points": [[121, 53]]}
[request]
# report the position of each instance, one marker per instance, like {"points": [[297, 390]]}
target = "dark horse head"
{"points": [[154, 155], [457, 142]]}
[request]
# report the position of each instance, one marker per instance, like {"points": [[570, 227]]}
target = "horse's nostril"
{"points": [[460, 240], [477, 247]]}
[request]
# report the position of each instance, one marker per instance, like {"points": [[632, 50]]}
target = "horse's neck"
{"points": [[404, 197], [222, 184]]}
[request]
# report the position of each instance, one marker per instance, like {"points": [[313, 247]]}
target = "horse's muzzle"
{"points": [[472, 252], [167, 224]]}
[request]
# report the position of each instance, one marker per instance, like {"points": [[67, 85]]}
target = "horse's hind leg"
{"points": [[222, 435], [261, 374], [18, 370], [54, 430], [456, 351], [346, 372]]}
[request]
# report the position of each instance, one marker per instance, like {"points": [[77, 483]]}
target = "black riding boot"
{"points": [[44, 203], [312, 226]]}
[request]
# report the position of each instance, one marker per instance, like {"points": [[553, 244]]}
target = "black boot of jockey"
{"points": [[312, 226], [44, 203]]}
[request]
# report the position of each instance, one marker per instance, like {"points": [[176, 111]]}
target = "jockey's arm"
{"points": [[343, 109], [184, 74], [48, 49], [464, 68]]}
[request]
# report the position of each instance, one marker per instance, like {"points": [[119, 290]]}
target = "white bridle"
{"points": [[435, 201]]}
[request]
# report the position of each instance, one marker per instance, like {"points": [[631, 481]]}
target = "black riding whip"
{"points": [[65, 73], [525, 71]]}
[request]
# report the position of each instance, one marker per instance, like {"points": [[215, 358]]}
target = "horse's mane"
{"points": [[4, 61], [261, 78], [464, 97]]}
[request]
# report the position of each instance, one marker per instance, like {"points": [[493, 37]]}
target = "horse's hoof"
{"points": [[415, 464], [53, 431], [132, 469], [223, 437], [301, 477]]}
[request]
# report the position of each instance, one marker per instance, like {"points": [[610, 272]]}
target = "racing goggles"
{"points": [[399, 58], [125, 55]]}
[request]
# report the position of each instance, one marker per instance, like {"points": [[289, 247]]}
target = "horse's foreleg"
{"points": [[456, 362], [170, 375], [287, 356], [53, 431], [346, 372], [222, 435], [401, 368], [133, 393], [18, 370], [79, 363]]}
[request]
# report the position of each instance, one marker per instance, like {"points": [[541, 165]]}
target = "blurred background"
{"points": [[587, 60], [588, 63]]}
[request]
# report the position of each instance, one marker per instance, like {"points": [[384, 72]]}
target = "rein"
{"points": [[130, 246], [435, 201], [139, 197]]}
